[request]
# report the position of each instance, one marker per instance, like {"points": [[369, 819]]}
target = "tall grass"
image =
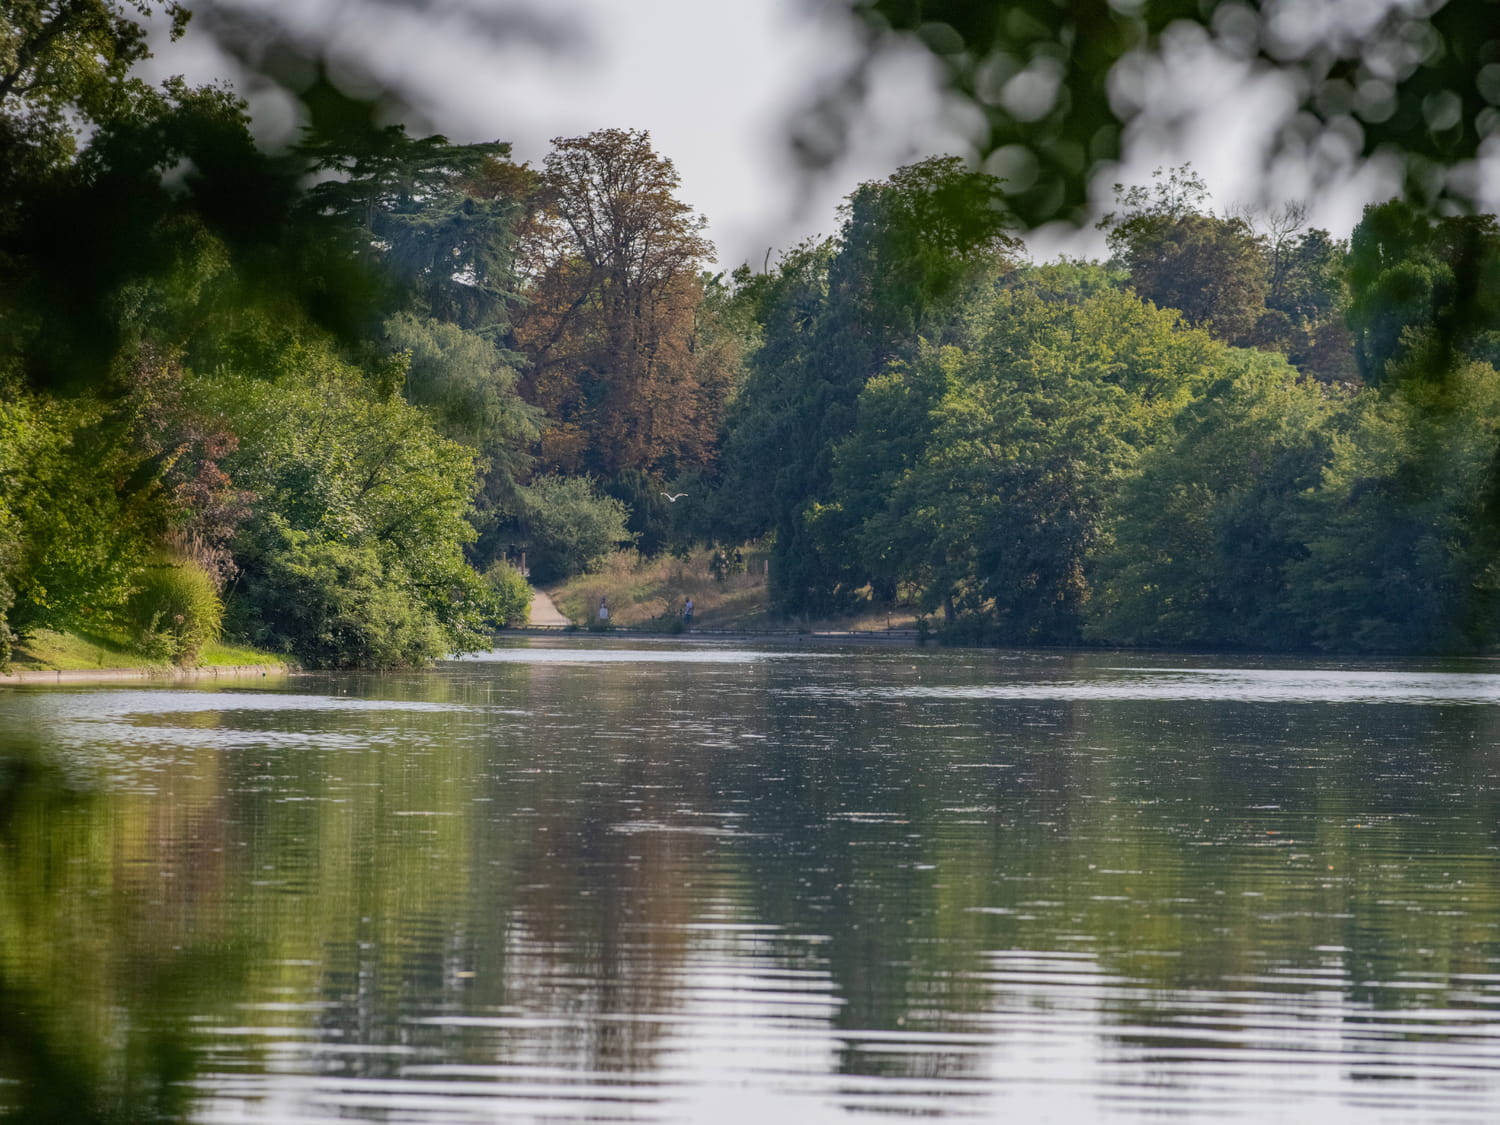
{"points": [[652, 591], [174, 611]]}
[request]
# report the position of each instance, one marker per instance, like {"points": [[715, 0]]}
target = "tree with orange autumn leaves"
{"points": [[612, 326]]}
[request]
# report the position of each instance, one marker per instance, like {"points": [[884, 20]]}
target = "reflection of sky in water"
{"points": [[117, 702], [1228, 685], [634, 656], [879, 899], [253, 717], [170, 717]]}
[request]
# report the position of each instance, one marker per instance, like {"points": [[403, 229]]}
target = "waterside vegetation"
{"points": [[728, 589], [339, 402], [47, 651]]}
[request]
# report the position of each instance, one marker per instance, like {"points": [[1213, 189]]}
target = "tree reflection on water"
{"points": [[112, 939], [944, 883]]}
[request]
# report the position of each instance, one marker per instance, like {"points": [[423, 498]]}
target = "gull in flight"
{"points": [[673, 498]]}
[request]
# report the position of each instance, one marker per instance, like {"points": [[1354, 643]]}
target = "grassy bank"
{"points": [[79, 652], [651, 593]]}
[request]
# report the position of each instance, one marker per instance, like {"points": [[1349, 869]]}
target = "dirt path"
{"points": [[543, 612]]}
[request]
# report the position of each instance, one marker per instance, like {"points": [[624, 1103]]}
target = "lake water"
{"points": [[584, 880]]}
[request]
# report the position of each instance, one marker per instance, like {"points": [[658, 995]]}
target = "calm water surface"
{"points": [[614, 881]]}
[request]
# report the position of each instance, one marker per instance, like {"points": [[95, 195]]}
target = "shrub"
{"points": [[353, 554], [571, 527], [9, 552], [333, 605], [174, 611], [512, 594]]}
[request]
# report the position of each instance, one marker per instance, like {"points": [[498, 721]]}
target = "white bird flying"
{"points": [[674, 498]]}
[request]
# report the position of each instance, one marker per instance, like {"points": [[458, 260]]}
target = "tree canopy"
{"points": [[613, 301], [65, 62]]}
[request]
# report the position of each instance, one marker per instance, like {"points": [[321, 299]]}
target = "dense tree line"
{"points": [[1235, 432], [312, 400], [327, 401]]}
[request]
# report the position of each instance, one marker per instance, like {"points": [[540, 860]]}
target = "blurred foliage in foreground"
{"points": [[1063, 86], [1058, 90]]}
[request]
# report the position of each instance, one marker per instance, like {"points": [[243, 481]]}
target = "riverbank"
{"points": [[158, 674], [50, 657], [731, 597]]}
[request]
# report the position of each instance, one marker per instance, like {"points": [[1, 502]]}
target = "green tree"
{"points": [[182, 318], [354, 552], [446, 223], [1071, 394], [1200, 540], [211, 263], [105, 270], [910, 249], [1211, 269], [443, 219], [1308, 298], [892, 432], [996, 498], [568, 526], [1416, 283], [464, 381], [79, 527], [1400, 546], [65, 63], [471, 393], [762, 446], [332, 604]]}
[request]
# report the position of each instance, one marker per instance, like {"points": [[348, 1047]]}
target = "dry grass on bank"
{"points": [[642, 591], [651, 592]]}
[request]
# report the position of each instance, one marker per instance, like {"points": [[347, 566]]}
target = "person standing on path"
{"points": [[603, 610], [687, 614]]}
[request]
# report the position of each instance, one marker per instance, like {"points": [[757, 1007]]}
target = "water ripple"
{"points": [[1208, 684]]}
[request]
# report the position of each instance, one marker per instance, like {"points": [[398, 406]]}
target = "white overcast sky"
{"points": [[716, 83]]}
